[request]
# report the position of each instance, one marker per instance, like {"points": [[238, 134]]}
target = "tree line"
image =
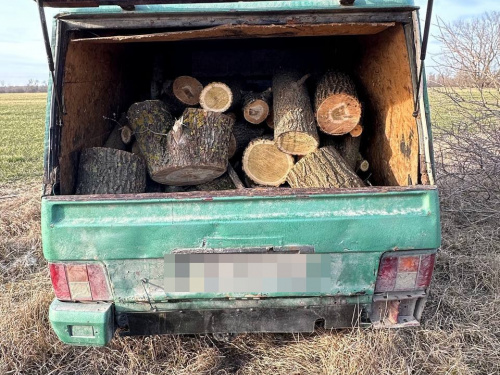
{"points": [[33, 85]]}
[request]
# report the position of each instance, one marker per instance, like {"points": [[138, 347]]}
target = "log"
{"points": [[114, 139], [110, 171], [256, 106], [220, 97], [270, 119], [197, 148], [294, 125], [135, 149], [234, 177], [232, 146], [126, 134], [223, 182], [158, 76], [151, 121], [356, 131], [244, 133], [346, 145], [324, 168], [362, 164], [337, 107], [187, 90], [265, 164], [173, 105]]}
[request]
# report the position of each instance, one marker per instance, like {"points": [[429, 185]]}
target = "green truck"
{"points": [[362, 257]]}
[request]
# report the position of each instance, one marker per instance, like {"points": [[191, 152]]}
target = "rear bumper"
{"points": [[95, 323]]}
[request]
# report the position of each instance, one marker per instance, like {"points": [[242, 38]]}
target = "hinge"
{"points": [[50, 59], [423, 54]]}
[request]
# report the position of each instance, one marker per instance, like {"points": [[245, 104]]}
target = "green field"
{"points": [[22, 121]]}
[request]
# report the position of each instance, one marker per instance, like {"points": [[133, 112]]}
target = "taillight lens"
{"points": [[80, 282], [400, 272]]}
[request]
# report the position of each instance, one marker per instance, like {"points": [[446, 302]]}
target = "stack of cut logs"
{"points": [[213, 137]]}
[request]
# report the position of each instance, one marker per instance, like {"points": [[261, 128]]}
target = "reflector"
{"points": [[401, 272], [98, 282], [59, 281], [80, 282]]}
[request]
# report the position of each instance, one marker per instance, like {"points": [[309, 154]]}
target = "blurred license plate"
{"points": [[247, 273]]}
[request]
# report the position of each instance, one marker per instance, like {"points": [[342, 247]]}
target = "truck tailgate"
{"points": [[131, 235]]}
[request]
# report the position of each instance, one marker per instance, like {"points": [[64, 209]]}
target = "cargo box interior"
{"points": [[103, 76]]}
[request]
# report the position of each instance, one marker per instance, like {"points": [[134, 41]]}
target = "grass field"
{"points": [[460, 333], [22, 120]]}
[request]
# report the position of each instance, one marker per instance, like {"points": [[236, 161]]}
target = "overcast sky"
{"points": [[22, 54]]}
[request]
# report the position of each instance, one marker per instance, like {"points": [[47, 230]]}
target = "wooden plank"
{"points": [[261, 192], [248, 31], [389, 123]]}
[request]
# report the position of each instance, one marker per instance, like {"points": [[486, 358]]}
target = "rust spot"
{"points": [[362, 293]]}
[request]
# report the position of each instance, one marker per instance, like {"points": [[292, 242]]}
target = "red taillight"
{"points": [[400, 272], [59, 281], [80, 282]]}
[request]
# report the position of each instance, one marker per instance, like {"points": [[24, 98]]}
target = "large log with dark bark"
{"points": [[338, 109], [346, 145], [197, 148], [244, 133], [114, 139], [110, 171], [151, 121], [265, 164], [256, 106], [294, 124], [223, 182], [324, 168]]}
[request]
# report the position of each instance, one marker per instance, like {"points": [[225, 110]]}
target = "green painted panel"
{"points": [[352, 273], [249, 6], [150, 228], [82, 324]]}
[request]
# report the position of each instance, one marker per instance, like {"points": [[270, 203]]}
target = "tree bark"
{"points": [[109, 171], [324, 168], [337, 106], [232, 146], [151, 121], [256, 106], [158, 76], [265, 164], [223, 182], [197, 148], [270, 119], [114, 139], [294, 125], [346, 145], [234, 177], [244, 133]]}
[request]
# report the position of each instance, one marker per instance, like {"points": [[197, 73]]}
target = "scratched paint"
{"points": [[143, 228]]}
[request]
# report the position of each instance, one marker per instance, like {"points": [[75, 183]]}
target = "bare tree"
{"points": [[471, 50], [468, 131]]}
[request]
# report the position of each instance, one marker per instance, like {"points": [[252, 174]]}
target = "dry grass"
{"points": [[460, 334]]}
